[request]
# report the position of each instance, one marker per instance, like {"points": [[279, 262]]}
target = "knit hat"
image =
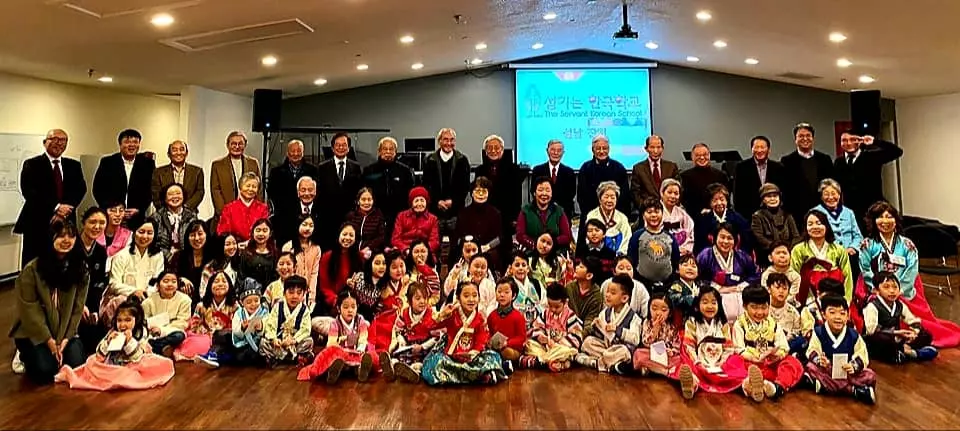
{"points": [[769, 188], [418, 192], [249, 287]]}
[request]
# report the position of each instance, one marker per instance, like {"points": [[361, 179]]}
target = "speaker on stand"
{"points": [[266, 119], [865, 112]]}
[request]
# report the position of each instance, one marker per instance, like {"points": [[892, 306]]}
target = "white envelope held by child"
{"points": [[839, 360], [158, 321], [658, 353], [117, 343]]}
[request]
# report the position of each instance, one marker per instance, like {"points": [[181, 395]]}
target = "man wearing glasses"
{"points": [[803, 171], [52, 186], [225, 173]]}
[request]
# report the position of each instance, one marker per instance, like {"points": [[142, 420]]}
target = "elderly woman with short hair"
{"points": [[239, 216], [842, 220], [617, 225]]}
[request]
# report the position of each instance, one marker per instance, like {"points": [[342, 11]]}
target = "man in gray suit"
{"points": [[649, 174], [190, 177]]}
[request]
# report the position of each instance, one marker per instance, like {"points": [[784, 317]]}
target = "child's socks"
{"points": [[529, 361], [927, 353], [772, 390], [507, 366], [587, 360]]}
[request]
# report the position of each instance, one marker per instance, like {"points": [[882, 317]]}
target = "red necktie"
{"points": [[553, 175], [656, 174], [58, 180]]}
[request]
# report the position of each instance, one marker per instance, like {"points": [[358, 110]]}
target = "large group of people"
{"points": [[757, 283]]}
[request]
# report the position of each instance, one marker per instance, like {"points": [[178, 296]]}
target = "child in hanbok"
{"points": [[555, 335], [685, 289], [459, 270], [124, 359], [676, 221], [615, 333], [463, 358], [347, 346], [286, 330], [213, 313], [393, 292], [812, 315], [242, 345], [659, 349], [709, 360], [639, 296], [365, 286], [892, 333], [786, 315], [833, 338], [286, 265], [727, 269], [413, 337], [423, 268], [763, 345], [547, 264], [531, 298]]}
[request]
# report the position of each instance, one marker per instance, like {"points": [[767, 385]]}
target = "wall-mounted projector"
{"points": [[625, 32]]}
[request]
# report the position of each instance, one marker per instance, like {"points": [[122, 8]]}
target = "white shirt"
{"points": [[237, 169], [337, 163], [52, 165], [805, 155], [446, 156], [178, 173], [128, 167], [130, 272], [654, 164], [855, 155], [554, 168], [306, 208]]}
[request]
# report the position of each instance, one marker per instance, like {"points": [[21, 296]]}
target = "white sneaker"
{"points": [[17, 365]]}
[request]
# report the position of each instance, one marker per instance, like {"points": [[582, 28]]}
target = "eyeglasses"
{"points": [[57, 139]]}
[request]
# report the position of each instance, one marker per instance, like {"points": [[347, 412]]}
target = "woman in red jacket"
{"points": [[336, 266], [239, 216], [416, 223]]}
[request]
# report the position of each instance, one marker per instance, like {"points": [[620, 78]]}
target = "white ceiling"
{"points": [[910, 47]]}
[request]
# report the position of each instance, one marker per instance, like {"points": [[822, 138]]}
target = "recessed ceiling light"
{"points": [[480, 46], [537, 45], [549, 16], [866, 79], [406, 39], [362, 66], [719, 44], [320, 81], [843, 62], [416, 66], [837, 37], [269, 61], [751, 61], [693, 59], [105, 79], [476, 61], [651, 45], [162, 20], [704, 15]]}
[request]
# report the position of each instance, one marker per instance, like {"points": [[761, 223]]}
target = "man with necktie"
{"points": [[753, 173], [649, 174], [860, 170], [562, 177], [338, 180]]}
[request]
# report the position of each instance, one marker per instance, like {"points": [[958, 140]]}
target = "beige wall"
{"points": [[92, 116], [927, 132]]}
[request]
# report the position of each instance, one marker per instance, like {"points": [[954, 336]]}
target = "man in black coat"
{"points": [[338, 181], [697, 179], [753, 173], [446, 175], [52, 186], [126, 176], [506, 194], [282, 187], [563, 177], [593, 172], [803, 170], [860, 170], [390, 181]]}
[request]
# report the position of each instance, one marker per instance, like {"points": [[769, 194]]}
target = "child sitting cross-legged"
{"points": [[615, 334], [555, 335], [893, 334], [659, 350], [763, 345], [709, 359], [168, 309], [412, 337], [286, 330], [836, 339], [812, 314], [786, 315], [242, 345], [639, 296], [507, 326], [347, 345]]}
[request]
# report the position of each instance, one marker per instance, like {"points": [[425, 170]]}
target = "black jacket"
{"points": [[110, 184], [862, 182], [507, 192], [746, 184], [800, 195], [454, 186], [591, 175], [391, 183], [282, 191], [335, 197], [40, 195]]}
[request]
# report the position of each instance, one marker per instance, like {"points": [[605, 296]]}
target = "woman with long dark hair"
{"points": [[91, 330], [818, 256], [190, 260], [51, 291], [259, 259], [336, 266]]}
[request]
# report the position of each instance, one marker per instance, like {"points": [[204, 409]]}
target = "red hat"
{"points": [[418, 192]]}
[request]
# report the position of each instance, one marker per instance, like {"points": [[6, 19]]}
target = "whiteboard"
{"points": [[14, 150]]}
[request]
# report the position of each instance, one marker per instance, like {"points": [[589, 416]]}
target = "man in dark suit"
{"points": [[390, 181], [697, 179], [649, 174], [190, 177], [338, 181], [753, 173], [563, 177], [52, 186], [286, 224], [860, 170], [506, 195], [593, 172], [282, 189], [446, 175], [803, 170], [126, 176]]}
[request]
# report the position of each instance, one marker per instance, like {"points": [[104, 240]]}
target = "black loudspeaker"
{"points": [[865, 111], [266, 110]]}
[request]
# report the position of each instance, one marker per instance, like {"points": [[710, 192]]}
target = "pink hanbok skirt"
{"points": [[151, 371]]}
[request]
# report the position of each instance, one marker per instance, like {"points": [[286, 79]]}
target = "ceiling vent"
{"points": [[102, 9], [238, 35], [799, 76]]}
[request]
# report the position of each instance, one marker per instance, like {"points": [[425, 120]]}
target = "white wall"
{"points": [[92, 116], [928, 134], [206, 118]]}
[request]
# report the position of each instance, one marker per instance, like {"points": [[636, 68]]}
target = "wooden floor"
{"points": [[913, 396]]}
